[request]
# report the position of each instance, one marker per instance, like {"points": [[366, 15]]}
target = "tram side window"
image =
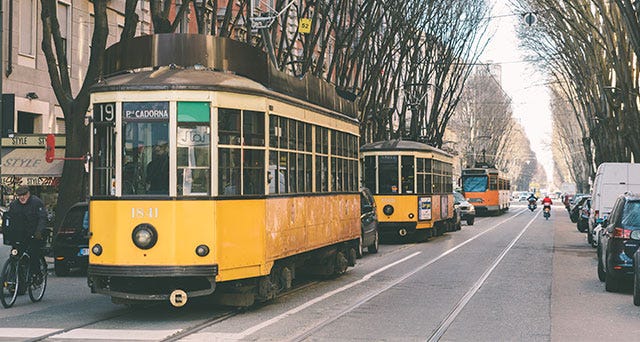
{"points": [[407, 174], [193, 149], [388, 174], [228, 126], [145, 159], [322, 174], [370, 173], [493, 182], [229, 171], [253, 172]]}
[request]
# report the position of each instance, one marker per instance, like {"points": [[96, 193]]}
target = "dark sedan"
{"points": [[616, 248], [71, 242]]}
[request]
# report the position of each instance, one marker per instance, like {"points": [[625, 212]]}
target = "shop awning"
{"points": [[27, 166]]}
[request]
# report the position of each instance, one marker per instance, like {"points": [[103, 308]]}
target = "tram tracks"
{"points": [[445, 323]]}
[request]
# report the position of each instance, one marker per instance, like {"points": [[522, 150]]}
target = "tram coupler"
{"points": [[178, 298]]}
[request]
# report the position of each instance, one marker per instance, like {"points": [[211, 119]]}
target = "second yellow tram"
{"points": [[413, 188]]}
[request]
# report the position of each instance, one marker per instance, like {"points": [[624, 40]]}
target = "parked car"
{"points": [[71, 243], [636, 270], [611, 180], [583, 216], [467, 210], [369, 236], [616, 248], [574, 212]]}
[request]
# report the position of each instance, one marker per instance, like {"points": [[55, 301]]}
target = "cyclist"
{"points": [[29, 218]]}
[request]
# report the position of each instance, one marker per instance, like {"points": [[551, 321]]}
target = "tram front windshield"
{"points": [[474, 184], [145, 169]]}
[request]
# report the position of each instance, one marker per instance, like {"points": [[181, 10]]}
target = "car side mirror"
{"points": [[635, 234]]}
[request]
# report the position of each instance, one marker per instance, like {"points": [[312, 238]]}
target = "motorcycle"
{"points": [[532, 205], [547, 211]]}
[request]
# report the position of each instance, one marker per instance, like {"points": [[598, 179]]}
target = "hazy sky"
{"points": [[525, 85]]}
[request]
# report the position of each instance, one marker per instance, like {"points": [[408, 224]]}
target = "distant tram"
{"points": [[487, 189], [413, 188], [221, 175]]}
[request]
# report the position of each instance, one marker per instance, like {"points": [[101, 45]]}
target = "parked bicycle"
{"points": [[16, 277]]}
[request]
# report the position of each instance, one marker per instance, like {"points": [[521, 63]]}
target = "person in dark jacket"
{"points": [[29, 218]]}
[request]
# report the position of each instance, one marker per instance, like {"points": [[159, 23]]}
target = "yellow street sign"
{"points": [[305, 25]]}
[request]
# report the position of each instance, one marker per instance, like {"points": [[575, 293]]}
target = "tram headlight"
{"points": [[202, 250], [96, 249], [388, 209], [144, 236]]}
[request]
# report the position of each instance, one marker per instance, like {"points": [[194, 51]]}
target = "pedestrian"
{"points": [[28, 218]]}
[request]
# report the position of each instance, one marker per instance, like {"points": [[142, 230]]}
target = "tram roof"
{"points": [[400, 145], [219, 55]]}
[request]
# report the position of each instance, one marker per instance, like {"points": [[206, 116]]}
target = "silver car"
{"points": [[467, 210]]}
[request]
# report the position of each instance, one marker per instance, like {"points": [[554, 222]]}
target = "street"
{"points": [[511, 277]]}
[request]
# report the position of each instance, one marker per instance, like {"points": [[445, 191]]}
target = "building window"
{"points": [[28, 27], [64, 18]]}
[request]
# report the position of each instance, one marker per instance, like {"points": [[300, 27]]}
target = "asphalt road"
{"points": [[514, 277]]}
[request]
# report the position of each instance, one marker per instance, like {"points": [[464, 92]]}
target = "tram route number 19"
{"points": [[104, 112], [137, 213]]}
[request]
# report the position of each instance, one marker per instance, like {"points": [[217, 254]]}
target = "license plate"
{"points": [[83, 252]]}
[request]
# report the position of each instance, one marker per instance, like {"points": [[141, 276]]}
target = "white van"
{"points": [[612, 179]]}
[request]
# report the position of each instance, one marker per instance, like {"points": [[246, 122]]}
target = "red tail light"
{"points": [[621, 233]]}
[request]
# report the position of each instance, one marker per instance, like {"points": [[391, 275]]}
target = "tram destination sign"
{"points": [[145, 111]]}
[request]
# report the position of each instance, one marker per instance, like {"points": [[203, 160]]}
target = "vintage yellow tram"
{"points": [[212, 171], [413, 188]]}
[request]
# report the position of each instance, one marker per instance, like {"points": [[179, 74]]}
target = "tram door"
{"points": [[104, 147]]}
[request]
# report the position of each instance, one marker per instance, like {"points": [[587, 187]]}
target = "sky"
{"points": [[525, 85]]}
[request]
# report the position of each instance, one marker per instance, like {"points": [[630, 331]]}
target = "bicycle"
{"points": [[16, 276]]}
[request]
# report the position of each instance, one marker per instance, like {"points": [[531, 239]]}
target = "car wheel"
{"points": [[601, 272], [636, 280], [470, 221], [611, 284], [61, 268], [373, 248]]}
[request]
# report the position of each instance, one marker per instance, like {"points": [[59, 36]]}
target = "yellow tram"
{"points": [[413, 188], [212, 171]]}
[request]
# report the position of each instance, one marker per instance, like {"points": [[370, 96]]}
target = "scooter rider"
{"points": [[532, 198]]}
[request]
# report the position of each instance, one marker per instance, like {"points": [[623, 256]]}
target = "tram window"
{"points": [[193, 162], [407, 174], [253, 172], [284, 132], [308, 173], [308, 138], [145, 158], [300, 176], [301, 138], [428, 183], [293, 140], [103, 159], [277, 175], [335, 182], [322, 174], [322, 140], [370, 173], [253, 128], [388, 174], [293, 172], [493, 182], [284, 170], [229, 171], [274, 131], [437, 184], [420, 184], [474, 183], [228, 126]]}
